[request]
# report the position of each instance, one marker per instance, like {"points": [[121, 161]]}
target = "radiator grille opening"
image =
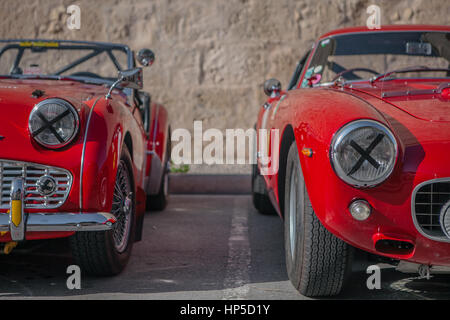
{"points": [[31, 173], [428, 202]]}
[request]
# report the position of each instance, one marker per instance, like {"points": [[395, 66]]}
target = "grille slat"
{"points": [[428, 202], [31, 173]]}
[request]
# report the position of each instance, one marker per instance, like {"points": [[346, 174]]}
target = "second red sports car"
{"points": [[363, 153]]}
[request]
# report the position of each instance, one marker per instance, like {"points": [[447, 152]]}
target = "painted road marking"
{"points": [[237, 278]]}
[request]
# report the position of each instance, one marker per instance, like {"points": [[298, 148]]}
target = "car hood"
{"points": [[19, 93], [16, 103], [420, 99]]}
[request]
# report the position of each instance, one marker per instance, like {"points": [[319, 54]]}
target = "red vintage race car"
{"points": [[81, 149], [358, 154]]}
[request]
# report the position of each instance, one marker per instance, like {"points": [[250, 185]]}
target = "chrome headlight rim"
{"points": [[337, 140], [69, 107]]}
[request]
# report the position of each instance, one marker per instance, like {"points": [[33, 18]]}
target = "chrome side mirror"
{"points": [[145, 57], [272, 87], [132, 78]]}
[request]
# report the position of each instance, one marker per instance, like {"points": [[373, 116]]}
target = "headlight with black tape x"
{"points": [[363, 153], [53, 123]]}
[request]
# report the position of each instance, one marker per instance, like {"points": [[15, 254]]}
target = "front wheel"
{"points": [[106, 253], [317, 262]]}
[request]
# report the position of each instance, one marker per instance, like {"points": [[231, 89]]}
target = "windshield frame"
{"points": [[304, 76], [46, 44]]}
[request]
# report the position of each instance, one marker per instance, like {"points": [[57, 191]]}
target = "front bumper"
{"points": [[18, 222], [61, 222]]}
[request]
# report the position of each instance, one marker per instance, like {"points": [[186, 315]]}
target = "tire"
{"points": [[106, 253], [159, 201], [318, 263], [261, 200]]}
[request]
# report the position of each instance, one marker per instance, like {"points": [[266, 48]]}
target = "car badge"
{"points": [[46, 185]]}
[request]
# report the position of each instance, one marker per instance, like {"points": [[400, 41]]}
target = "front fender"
{"points": [[109, 123], [315, 116]]}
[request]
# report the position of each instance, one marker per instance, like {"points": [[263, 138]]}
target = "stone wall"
{"points": [[212, 55]]}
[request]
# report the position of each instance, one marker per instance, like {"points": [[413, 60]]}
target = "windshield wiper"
{"points": [[406, 70]]}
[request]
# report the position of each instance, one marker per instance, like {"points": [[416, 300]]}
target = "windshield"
{"points": [[375, 53], [77, 60]]}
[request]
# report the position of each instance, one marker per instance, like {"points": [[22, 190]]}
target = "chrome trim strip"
{"points": [[155, 128], [63, 221], [413, 209], [84, 151], [408, 93]]}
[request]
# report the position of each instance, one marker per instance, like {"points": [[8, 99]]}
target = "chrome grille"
{"points": [[10, 170], [428, 200]]}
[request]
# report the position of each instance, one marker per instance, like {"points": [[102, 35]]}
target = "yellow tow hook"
{"points": [[9, 247]]}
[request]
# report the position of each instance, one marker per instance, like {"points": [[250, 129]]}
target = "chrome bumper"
{"points": [[17, 222]]}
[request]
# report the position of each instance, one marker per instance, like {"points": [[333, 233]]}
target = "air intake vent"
{"points": [[31, 173], [428, 200]]}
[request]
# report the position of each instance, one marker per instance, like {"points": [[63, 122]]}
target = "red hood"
{"points": [[16, 103], [19, 92], [420, 103]]}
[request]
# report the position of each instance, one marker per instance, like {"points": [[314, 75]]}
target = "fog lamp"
{"points": [[360, 210]]}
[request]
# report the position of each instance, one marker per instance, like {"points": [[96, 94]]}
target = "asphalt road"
{"points": [[200, 247]]}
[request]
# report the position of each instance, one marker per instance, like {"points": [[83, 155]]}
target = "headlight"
{"points": [[53, 123], [363, 153]]}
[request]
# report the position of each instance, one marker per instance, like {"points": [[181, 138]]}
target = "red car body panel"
{"points": [[423, 135], [92, 158], [158, 130]]}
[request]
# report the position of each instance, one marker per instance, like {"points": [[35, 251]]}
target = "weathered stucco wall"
{"points": [[212, 55]]}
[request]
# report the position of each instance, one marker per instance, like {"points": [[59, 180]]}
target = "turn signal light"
{"points": [[307, 152]]}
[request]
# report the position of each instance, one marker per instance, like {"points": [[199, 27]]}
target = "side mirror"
{"points": [[132, 78], [272, 87], [146, 57]]}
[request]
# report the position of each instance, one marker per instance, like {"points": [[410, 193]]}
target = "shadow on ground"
{"points": [[184, 255]]}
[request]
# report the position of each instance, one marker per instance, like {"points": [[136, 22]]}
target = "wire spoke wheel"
{"points": [[122, 207]]}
